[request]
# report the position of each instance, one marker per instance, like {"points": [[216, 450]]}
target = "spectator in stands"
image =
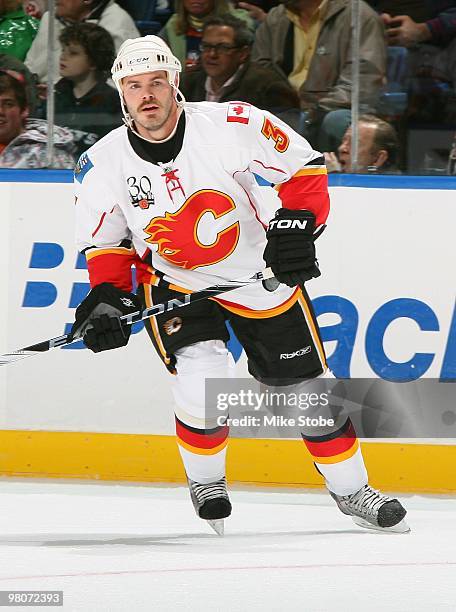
{"points": [[226, 72], [9, 62], [309, 42], [83, 99], [377, 150], [35, 8], [107, 14], [184, 30], [23, 141], [17, 30], [427, 29], [409, 23]]}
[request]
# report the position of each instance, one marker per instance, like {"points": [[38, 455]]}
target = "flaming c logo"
{"points": [[177, 234]]}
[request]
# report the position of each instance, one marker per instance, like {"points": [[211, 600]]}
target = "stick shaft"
{"points": [[134, 317]]}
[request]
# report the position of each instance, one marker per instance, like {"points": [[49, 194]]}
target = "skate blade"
{"points": [[401, 527], [218, 526]]}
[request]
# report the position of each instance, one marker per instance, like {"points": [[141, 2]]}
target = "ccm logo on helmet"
{"points": [[298, 353], [288, 223], [138, 60]]}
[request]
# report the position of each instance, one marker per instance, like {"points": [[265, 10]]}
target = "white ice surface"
{"points": [[135, 548]]}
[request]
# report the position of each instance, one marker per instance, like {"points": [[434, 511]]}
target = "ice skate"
{"points": [[373, 510], [211, 502]]}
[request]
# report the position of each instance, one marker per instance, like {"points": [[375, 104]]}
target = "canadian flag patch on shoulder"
{"points": [[238, 112]]}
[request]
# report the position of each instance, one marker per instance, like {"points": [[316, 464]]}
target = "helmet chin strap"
{"points": [[129, 122]]}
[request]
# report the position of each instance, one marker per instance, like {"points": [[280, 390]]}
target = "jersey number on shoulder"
{"points": [[187, 241], [278, 136]]}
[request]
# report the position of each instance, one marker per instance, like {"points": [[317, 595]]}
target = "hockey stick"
{"points": [[134, 317]]}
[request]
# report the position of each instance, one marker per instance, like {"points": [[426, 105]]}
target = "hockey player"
{"points": [[173, 193]]}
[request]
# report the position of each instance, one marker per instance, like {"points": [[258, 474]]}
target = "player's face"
{"points": [[150, 100], [11, 117], [367, 153], [74, 62], [220, 56]]}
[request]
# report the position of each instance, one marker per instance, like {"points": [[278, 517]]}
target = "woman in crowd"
{"points": [[183, 31]]}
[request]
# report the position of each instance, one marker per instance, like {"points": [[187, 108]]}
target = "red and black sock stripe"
{"points": [[202, 441], [334, 447]]}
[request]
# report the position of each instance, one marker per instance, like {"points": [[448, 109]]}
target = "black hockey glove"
{"points": [[290, 250], [97, 317]]}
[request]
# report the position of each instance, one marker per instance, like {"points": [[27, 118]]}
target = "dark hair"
{"points": [[385, 137], [9, 83], [243, 37], [96, 42]]}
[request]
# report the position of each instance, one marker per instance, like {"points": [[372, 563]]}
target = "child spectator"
{"points": [[17, 30], [83, 99], [23, 141]]}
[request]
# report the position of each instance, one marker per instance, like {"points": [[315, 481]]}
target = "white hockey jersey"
{"points": [[199, 220]]}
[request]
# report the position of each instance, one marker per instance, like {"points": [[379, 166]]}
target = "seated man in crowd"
{"points": [[17, 29], [309, 42], [226, 72], [23, 141], [377, 150], [107, 14], [83, 99]]}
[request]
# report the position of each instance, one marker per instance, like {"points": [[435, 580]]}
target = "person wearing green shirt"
{"points": [[17, 29]]}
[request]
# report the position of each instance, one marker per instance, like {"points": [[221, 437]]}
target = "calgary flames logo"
{"points": [[177, 234]]}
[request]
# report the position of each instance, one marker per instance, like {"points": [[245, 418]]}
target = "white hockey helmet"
{"points": [[145, 54]]}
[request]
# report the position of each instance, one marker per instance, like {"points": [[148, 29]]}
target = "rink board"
{"points": [[423, 468], [385, 301]]}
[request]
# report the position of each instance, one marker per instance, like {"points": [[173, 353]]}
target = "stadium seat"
{"points": [[148, 15], [394, 97]]}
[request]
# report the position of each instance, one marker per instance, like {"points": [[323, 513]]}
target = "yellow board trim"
{"points": [[417, 468]]}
